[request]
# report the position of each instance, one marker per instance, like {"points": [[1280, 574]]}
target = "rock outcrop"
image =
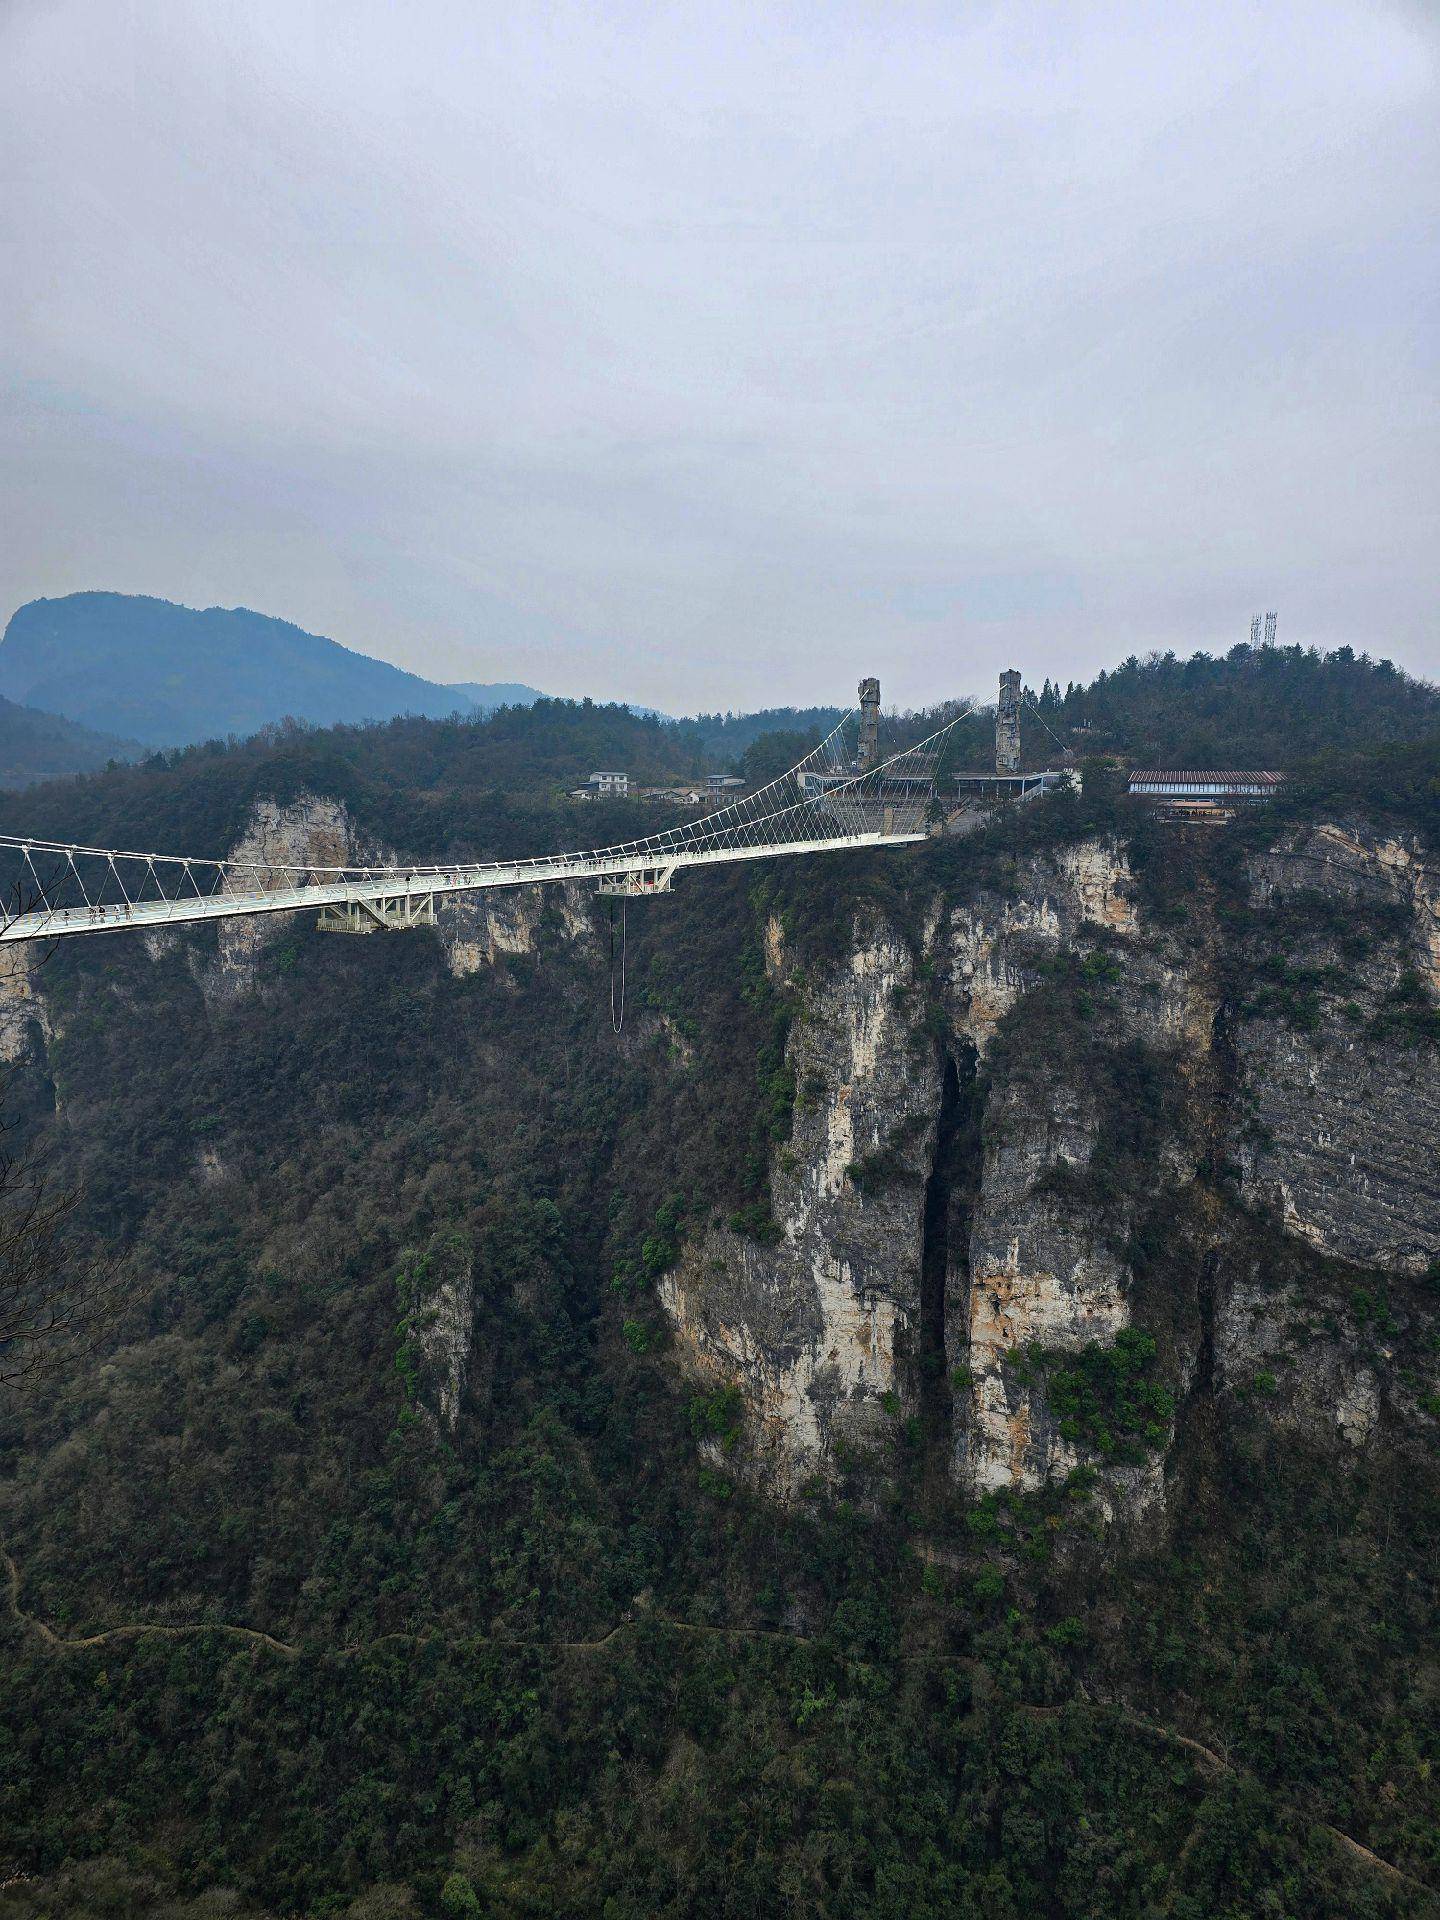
{"points": [[24, 1016], [1331, 1121], [1041, 1272], [948, 1201], [1338, 1122], [479, 929], [823, 1332], [438, 1286], [314, 832], [819, 1329], [311, 832]]}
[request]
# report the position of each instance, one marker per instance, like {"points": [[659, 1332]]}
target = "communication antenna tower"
{"points": [[1270, 620], [1255, 630]]}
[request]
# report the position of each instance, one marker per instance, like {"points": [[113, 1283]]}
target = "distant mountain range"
{"points": [[164, 675], [41, 746], [499, 693]]}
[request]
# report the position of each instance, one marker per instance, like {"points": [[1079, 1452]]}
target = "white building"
{"points": [[1207, 783], [1204, 793]]}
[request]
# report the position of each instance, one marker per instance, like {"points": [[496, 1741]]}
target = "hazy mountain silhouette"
{"points": [[487, 695], [41, 746], [166, 674]]}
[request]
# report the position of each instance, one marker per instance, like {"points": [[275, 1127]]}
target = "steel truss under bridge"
{"points": [[821, 805]]}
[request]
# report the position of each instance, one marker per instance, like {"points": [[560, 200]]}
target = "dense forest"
{"points": [[281, 1636], [1254, 707]]}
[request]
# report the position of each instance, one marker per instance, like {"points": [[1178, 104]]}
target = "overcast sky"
{"points": [[712, 355]]}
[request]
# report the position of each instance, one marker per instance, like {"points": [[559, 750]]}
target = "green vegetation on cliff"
{"points": [[380, 1565]]}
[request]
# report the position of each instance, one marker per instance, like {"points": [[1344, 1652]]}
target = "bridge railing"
{"points": [[53, 887]]}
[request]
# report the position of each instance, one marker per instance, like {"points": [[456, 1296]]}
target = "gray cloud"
{"points": [[711, 356]]}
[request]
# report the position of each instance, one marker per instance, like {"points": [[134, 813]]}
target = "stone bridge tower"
{"points": [[869, 753], [1007, 724]]}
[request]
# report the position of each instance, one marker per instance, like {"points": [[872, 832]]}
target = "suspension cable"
{"points": [[824, 798], [617, 1015], [1034, 706]]}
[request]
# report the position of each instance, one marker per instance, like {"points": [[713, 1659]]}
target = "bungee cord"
{"points": [[617, 1019]]}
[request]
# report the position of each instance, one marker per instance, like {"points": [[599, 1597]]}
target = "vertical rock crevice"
{"points": [[950, 1190]]}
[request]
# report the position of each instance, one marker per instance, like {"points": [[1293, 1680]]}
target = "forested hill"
{"points": [[497, 784], [1277, 707], [168, 675], [1252, 707], [1267, 706], [485, 696], [728, 735]]}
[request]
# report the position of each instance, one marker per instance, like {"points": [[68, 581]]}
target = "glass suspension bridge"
{"points": [[835, 798]]}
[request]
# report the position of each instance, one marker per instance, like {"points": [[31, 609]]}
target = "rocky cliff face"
{"points": [[24, 1017], [479, 929], [437, 1286], [819, 1328], [315, 832], [825, 1332], [309, 834], [1042, 1271], [971, 1182], [1339, 1112], [1315, 1112]]}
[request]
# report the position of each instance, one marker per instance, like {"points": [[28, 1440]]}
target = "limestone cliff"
{"points": [[311, 832], [314, 832], [1044, 1265], [1006, 1095], [480, 928], [1339, 1115], [1318, 1116], [24, 1016], [824, 1331], [437, 1287], [818, 1326]]}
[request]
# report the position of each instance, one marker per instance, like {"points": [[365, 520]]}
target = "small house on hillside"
{"points": [[603, 786]]}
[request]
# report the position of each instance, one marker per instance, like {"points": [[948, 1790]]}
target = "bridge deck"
{"points": [[415, 883]]}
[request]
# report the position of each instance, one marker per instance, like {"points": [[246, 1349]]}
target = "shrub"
{"points": [[459, 1900], [717, 1415], [1104, 1397]]}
